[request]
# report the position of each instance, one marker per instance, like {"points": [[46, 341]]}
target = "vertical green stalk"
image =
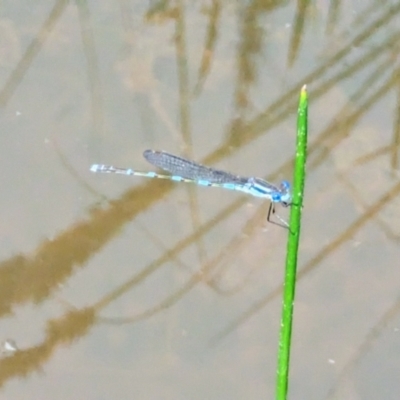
{"points": [[292, 249]]}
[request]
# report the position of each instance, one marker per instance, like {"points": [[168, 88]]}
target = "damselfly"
{"points": [[182, 170]]}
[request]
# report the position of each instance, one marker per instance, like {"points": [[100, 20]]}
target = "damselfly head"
{"points": [[285, 193]]}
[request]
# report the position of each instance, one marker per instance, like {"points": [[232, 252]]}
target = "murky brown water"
{"points": [[119, 287]]}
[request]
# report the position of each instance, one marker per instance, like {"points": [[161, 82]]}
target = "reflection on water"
{"points": [[113, 271]]}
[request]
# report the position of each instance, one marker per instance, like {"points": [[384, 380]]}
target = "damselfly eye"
{"points": [[276, 197], [285, 185]]}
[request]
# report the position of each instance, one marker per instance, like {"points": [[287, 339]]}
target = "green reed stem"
{"points": [[292, 249]]}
